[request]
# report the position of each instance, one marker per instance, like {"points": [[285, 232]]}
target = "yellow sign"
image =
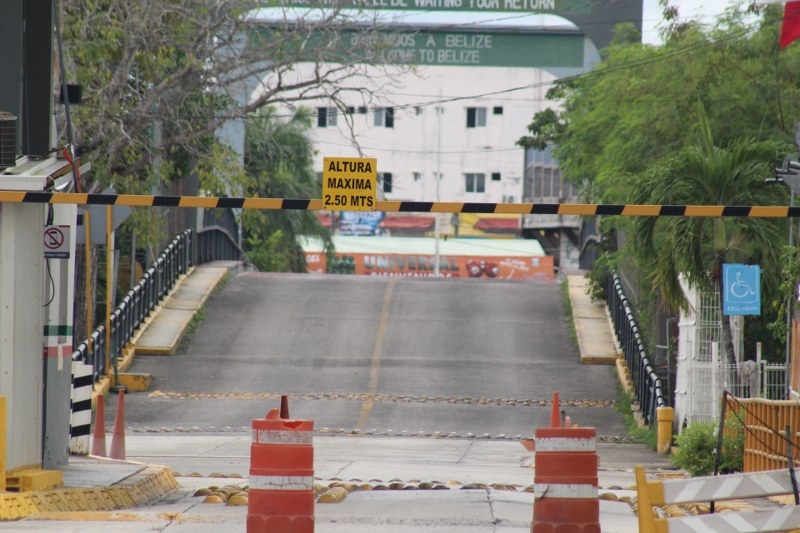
{"points": [[349, 184]]}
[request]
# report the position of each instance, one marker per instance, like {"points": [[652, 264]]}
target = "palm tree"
{"points": [[279, 158], [697, 247]]}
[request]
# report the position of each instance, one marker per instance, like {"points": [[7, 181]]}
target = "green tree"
{"points": [[636, 107], [279, 159], [160, 79], [625, 124], [697, 247]]}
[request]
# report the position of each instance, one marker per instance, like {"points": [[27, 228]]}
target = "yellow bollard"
{"points": [[644, 511], [3, 432], [665, 416]]}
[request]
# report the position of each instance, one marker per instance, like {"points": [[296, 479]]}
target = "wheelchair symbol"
{"points": [[742, 290]]}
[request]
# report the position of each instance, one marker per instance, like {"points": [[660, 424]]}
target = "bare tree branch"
{"points": [[160, 77]]}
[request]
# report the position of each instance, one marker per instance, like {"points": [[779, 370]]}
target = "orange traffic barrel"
{"points": [[565, 482], [281, 494]]}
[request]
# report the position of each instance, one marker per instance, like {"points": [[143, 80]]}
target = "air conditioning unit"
{"points": [[38, 174]]}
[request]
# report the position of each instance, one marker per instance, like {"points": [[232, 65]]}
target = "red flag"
{"points": [[791, 23]]}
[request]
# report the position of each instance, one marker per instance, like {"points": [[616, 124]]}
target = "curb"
{"points": [[146, 486]]}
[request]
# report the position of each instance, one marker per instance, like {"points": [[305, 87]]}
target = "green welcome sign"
{"points": [[449, 48]]}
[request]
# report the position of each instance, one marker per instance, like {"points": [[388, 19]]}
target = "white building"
{"points": [[457, 113]]}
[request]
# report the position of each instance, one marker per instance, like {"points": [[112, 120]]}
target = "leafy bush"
{"points": [[697, 446]]}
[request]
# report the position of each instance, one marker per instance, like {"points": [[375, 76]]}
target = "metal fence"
{"points": [[650, 393], [748, 379], [215, 243], [185, 250]]}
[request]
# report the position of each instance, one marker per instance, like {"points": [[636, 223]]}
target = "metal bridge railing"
{"points": [[185, 250], [649, 389], [215, 243]]}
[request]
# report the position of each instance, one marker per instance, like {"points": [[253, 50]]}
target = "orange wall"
{"points": [[498, 267]]}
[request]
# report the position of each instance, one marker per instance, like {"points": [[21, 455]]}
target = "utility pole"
{"points": [[789, 175], [438, 179]]}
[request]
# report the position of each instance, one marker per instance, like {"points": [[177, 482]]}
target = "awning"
{"points": [[498, 225], [417, 223]]}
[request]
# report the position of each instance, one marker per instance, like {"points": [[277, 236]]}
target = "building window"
{"points": [[386, 180], [384, 117], [497, 110], [362, 110], [475, 182], [476, 117], [496, 176], [326, 116], [417, 176]]}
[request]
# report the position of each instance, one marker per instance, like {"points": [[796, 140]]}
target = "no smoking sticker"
{"points": [[56, 242]]}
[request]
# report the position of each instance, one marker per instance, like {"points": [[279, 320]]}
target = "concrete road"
{"points": [[485, 486], [378, 355]]}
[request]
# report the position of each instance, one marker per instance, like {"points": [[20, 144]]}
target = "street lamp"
{"points": [[438, 178], [789, 175]]}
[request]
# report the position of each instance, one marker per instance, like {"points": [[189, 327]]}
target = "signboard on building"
{"points": [[471, 48], [360, 222], [406, 265], [492, 49], [742, 289], [555, 7], [596, 19], [349, 184], [484, 259]]}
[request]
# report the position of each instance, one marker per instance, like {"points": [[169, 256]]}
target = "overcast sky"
{"points": [[706, 11]]}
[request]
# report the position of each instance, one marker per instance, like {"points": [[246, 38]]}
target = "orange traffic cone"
{"points": [[118, 437], [285, 407], [99, 437], [555, 413]]}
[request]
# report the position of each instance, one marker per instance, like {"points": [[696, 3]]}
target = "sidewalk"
{"points": [[593, 327], [97, 486]]}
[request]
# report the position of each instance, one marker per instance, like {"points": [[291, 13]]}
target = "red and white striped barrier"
{"points": [[281, 495], [565, 480]]}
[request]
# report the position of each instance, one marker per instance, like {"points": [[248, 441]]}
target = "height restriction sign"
{"points": [[349, 184]]}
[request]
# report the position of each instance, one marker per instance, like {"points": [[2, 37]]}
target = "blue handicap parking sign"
{"points": [[742, 289]]}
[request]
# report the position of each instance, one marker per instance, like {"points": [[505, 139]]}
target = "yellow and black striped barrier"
{"points": [[211, 202]]}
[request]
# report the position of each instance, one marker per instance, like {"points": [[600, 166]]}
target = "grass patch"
{"points": [[568, 317], [224, 281], [200, 316], [197, 319], [646, 435]]}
